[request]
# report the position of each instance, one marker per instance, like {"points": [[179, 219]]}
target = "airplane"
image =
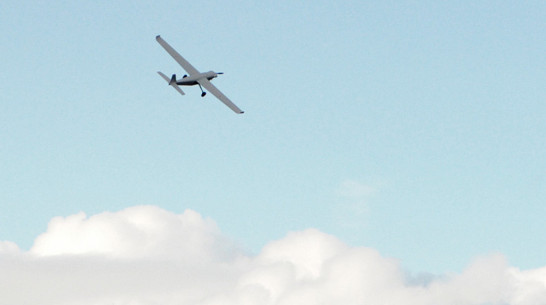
{"points": [[194, 78]]}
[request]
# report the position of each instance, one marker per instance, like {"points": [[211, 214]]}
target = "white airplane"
{"points": [[195, 77]]}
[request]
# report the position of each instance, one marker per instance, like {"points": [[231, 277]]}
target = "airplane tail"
{"points": [[172, 82]]}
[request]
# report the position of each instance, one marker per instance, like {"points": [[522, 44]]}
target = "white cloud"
{"points": [[8, 247], [137, 232], [355, 189], [146, 255], [352, 204]]}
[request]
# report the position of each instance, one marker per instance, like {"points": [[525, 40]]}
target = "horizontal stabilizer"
{"points": [[173, 84]]}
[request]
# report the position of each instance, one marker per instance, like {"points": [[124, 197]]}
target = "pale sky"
{"points": [[412, 128]]}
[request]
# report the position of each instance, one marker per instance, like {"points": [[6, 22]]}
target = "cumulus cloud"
{"points": [[145, 255], [139, 232], [8, 247]]}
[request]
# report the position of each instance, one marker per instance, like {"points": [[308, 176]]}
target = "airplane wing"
{"points": [[184, 63], [212, 89]]}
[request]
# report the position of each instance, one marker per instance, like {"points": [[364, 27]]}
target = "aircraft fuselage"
{"points": [[192, 79]]}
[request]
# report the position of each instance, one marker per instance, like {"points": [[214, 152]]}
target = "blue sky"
{"points": [[413, 127]]}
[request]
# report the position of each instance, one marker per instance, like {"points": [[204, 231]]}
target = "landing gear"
{"points": [[203, 93]]}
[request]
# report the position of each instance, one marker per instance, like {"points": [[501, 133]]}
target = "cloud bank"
{"points": [[145, 255]]}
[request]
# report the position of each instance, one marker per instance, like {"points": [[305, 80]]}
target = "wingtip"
{"points": [[157, 37], [241, 112]]}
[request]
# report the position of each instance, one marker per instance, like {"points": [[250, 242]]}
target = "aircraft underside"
{"points": [[182, 82], [195, 77]]}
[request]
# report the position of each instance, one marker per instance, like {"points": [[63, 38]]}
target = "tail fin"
{"points": [[171, 82]]}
